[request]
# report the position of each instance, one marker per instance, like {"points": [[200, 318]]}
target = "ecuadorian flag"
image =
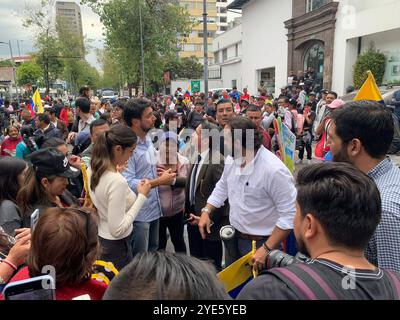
{"points": [[38, 101], [187, 93], [238, 274], [369, 90]]}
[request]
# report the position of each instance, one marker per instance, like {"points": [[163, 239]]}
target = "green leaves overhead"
{"points": [[162, 20]]}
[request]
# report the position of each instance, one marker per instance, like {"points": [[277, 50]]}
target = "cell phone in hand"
{"points": [[34, 218], [37, 288]]}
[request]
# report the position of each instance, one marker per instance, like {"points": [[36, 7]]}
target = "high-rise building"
{"points": [[71, 13], [192, 44], [222, 16]]}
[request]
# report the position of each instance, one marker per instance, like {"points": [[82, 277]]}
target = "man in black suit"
{"points": [[60, 125], [46, 129], [205, 171]]}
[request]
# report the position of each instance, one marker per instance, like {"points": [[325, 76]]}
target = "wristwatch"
{"points": [[206, 210]]}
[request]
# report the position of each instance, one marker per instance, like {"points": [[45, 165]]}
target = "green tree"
{"points": [[72, 51], [40, 21], [372, 60], [6, 63], [88, 76], [111, 73], [28, 72], [163, 21], [185, 68]]}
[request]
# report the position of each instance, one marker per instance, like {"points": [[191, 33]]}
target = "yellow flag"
{"points": [[37, 101], [369, 90], [88, 202], [235, 276]]}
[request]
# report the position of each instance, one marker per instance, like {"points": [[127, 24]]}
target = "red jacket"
{"points": [[93, 288], [8, 146], [64, 115]]}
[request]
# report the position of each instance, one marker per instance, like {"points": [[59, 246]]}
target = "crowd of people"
{"points": [[110, 187]]}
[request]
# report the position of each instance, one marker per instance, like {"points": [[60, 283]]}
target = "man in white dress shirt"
{"points": [[260, 190]]}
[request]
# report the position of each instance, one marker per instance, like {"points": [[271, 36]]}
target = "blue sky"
{"points": [[11, 17]]}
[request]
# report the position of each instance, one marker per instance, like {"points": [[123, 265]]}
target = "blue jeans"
{"points": [[145, 236]]}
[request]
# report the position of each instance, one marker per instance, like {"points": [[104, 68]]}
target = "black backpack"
{"points": [[308, 283]]}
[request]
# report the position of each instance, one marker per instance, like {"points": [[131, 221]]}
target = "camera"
{"points": [[278, 259]]}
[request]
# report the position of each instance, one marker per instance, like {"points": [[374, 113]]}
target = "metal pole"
{"points": [[141, 48], [12, 62], [19, 51], [205, 38]]}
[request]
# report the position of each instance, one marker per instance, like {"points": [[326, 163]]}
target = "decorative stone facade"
{"points": [[307, 29]]}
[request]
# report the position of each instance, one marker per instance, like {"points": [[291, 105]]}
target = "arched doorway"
{"points": [[314, 57]]}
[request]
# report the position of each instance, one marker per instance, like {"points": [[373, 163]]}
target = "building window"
{"points": [[224, 54], [222, 10], [209, 20], [209, 34], [223, 19], [236, 50], [234, 83], [315, 4], [216, 57], [223, 28]]}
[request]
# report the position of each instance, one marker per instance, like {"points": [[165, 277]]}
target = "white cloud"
{"points": [[11, 28]]}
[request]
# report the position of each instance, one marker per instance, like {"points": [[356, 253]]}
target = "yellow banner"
{"points": [[369, 90]]}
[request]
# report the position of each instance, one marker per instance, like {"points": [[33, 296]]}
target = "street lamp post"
{"points": [[19, 50], [205, 42], [13, 66]]}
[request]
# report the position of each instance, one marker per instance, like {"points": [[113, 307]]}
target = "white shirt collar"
{"points": [[249, 168], [46, 127]]}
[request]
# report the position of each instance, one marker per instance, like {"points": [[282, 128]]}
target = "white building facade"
{"points": [[264, 43], [227, 49], [277, 36], [359, 24]]}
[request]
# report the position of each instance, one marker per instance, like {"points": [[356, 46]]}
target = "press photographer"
{"points": [[337, 211]]}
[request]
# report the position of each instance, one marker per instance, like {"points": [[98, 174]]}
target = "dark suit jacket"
{"points": [[209, 175]]}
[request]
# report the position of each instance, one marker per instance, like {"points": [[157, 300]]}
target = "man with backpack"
{"points": [[334, 237]]}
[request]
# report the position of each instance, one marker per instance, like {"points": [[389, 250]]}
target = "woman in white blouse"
{"points": [[116, 203]]}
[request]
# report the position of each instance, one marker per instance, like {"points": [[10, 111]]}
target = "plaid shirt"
{"points": [[384, 247]]}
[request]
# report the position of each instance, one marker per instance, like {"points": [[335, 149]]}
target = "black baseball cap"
{"points": [[50, 161]]}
